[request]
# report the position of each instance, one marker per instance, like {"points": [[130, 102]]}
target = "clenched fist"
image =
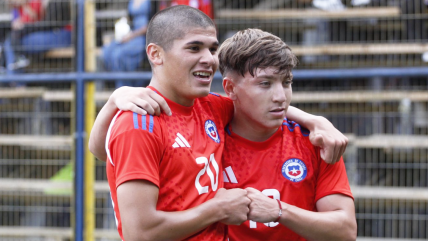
{"points": [[262, 208], [234, 203]]}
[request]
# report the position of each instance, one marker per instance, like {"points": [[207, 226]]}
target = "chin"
{"points": [[201, 92], [273, 124]]}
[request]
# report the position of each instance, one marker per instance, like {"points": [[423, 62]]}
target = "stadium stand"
{"points": [[385, 118]]}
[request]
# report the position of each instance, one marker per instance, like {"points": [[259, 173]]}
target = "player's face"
{"points": [[263, 100], [190, 65]]}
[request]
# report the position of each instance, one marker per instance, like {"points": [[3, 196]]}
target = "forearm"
{"points": [[99, 130], [303, 118], [329, 225], [177, 225]]}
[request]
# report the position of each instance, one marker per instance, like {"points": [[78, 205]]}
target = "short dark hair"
{"points": [[250, 49], [173, 22]]}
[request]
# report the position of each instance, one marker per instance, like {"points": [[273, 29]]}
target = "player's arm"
{"points": [[141, 221], [323, 134], [335, 219], [139, 100]]}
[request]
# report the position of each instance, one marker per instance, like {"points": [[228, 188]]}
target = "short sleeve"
{"points": [[332, 179], [136, 155]]}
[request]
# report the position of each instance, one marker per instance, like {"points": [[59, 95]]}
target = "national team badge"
{"points": [[294, 170], [211, 130]]}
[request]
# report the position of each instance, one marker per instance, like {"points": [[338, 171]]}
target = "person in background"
{"points": [[127, 53], [36, 32], [203, 5], [24, 12]]}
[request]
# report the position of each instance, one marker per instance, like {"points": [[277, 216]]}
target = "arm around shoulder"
{"points": [[323, 134], [99, 130]]}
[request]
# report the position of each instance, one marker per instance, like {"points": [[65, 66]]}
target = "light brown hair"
{"points": [[250, 49]]}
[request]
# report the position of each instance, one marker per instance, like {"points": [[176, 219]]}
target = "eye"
{"points": [[287, 83], [194, 48], [265, 84], [213, 50]]}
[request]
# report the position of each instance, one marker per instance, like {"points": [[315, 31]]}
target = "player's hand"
{"points": [[262, 208], [139, 100], [331, 141], [234, 203]]}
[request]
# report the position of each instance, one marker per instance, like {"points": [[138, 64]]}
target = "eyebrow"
{"points": [[266, 76], [196, 42], [269, 77]]}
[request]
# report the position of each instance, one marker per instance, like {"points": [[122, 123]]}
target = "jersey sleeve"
{"points": [[136, 152], [223, 106], [332, 179]]}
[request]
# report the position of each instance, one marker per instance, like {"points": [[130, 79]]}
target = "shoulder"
{"points": [[218, 102], [126, 121], [295, 128], [216, 98]]}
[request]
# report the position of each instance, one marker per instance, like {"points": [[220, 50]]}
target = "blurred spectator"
{"points": [[127, 52], [329, 5], [23, 12], [38, 26], [203, 5]]}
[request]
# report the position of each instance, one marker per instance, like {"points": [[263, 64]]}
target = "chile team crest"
{"points": [[294, 170], [211, 131]]}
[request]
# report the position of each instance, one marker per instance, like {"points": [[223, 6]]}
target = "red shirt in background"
{"points": [[203, 5], [36, 7]]}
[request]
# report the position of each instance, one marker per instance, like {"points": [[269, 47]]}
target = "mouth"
{"points": [[277, 110], [206, 75]]}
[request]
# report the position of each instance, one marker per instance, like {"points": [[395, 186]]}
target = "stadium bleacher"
{"points": [[385, 118]]}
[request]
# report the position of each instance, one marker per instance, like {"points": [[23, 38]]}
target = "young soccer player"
{"points": [[164, 172], [272, 156], [163, 150]]}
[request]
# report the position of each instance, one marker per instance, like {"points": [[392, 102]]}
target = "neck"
{"points": [[250, 131], [165, 90]]}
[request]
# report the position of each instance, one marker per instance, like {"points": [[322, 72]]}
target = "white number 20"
{"points": [[214, 180], [270, 193]]}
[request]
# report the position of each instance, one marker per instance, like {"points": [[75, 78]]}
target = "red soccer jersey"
{"points": [[181, 154], [36, 7], [286, 167], [203, 5]]}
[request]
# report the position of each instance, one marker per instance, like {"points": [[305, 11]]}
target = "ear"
{"points": [[229, 87], [155, 53]]}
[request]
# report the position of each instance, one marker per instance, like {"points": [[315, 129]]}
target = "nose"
{"points": [[278, 94], [208, 58]]}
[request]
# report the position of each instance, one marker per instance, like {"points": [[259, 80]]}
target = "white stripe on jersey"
{"points": [[225, 177], [108, 136], [180, 142], [231, 175], [183, 139]]}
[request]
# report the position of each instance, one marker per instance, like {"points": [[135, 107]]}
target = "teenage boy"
{"points": [[272, 156], [164, 172]]}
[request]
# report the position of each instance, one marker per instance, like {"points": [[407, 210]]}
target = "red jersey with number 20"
{"points": [[181, 154], [285, 167]]}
